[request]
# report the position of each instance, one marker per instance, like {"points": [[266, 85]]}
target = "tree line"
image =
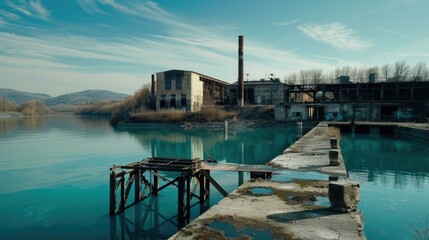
{"points": [[29, 108], [397, 72]]}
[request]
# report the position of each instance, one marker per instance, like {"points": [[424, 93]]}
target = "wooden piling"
{"points": [[137, 186], [180, 198], [112, 199], [122, 197], [207, 185], [155, 183], [188, 197]]}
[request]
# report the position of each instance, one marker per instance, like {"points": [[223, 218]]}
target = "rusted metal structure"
{"points": [[153, 86], [214, 91], [264, 91], [191, 177], [380, 101]]}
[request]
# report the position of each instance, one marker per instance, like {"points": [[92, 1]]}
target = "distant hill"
{"points": [[22, 97], [79, 98]]}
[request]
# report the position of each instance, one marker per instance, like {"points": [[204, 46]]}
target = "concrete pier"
{"points": [[311, 153], [287, 207], [403, 129]]}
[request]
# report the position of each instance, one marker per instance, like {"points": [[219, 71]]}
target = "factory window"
{"points": [[179, 83], [183, 101], [162, 102], [173, 101], [168, 84]]}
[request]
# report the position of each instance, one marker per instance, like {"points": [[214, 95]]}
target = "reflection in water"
{"points": [[248, 146], [394, 178], [381, 158], [147, 221], [55, 170]]}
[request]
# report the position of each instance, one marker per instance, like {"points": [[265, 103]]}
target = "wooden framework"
{"points": [[146, 178]]}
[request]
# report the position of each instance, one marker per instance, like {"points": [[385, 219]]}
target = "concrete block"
{"points": [[333, 158], [262, 175], [344, 195], [334, 143]]}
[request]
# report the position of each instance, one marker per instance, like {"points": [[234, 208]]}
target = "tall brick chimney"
{"points": [[240, 101], [153, 86]]}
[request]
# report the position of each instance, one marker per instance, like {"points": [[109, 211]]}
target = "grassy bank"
{"points": [[10, 114], [207, 114]]}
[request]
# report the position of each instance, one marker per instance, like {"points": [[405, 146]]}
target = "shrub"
{"points": [[7, 105], [166, 116], [34, 108], [140, 101], [207, 114]]}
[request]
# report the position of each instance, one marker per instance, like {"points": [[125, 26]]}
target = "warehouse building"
{"points": [[186, 90]]}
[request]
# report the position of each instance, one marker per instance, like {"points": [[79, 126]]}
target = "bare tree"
{"points": [[426, 75], [401, 71], [316, 75], [419, 71], [304, 76], [362, 74], [291, 79], [386, 72], [354, 74], [329, 77]]}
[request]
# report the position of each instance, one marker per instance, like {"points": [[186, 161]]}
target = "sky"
{"points": [[63, 46]]}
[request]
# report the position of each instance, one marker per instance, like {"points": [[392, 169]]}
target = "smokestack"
{"points": [[240, 72], [153, 86]]}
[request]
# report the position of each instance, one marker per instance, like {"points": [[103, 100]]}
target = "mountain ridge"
{"points": [[74, 98]]}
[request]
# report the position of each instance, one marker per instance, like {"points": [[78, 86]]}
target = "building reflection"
{"points": [[391, 161], [250, 146], [150, 219]]}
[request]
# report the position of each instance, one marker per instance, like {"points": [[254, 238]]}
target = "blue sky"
{"points": [[62, 46]]}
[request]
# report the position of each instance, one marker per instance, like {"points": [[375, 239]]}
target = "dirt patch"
{"points": [[303, 183], [239, 224]]}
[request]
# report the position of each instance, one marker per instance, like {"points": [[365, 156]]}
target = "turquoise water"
{"points": [[394, 177], [232, 232], [54, 174]]}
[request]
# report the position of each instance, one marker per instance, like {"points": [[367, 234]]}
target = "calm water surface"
{"points": [[54, 174], [394, 179]]}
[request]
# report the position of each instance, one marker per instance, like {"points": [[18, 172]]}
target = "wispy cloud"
{"points": [[9, 15], [90, 6], [30, 8], [33, 62], [136, 51], [227, 27], [337, 35], [286, 23], [375, 10], [389, 31], [338, 61], [409, 54]]}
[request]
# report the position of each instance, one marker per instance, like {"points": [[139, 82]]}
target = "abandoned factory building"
{"points": [[186, 90], [345, 100], [264, 91], [377, 101]]}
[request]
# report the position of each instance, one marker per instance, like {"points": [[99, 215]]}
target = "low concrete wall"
{"points": [[413, 132]]}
